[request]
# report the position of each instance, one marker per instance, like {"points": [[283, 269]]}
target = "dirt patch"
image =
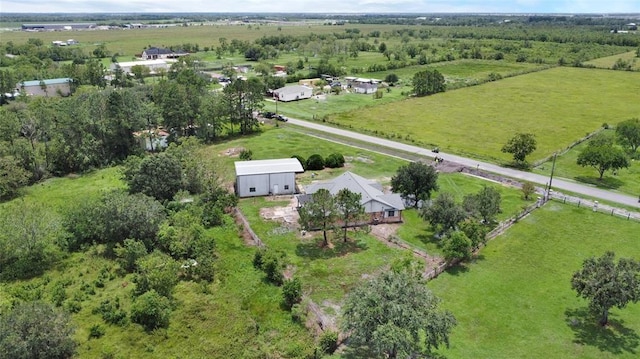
{"points": [[358, 159], [385, 230], [232, 152], [287, 214]]}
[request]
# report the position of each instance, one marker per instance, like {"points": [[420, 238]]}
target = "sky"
{"points": [[323, 6]]}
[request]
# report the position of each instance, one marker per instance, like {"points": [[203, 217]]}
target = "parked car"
{"points": [[281, 118], [268, 114]]}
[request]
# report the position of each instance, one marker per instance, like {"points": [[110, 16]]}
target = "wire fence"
{"points": [[596, 206]]}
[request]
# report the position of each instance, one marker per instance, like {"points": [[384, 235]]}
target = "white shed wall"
{"points": [[266, 184]]}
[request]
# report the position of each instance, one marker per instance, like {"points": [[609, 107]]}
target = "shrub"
{"points": [[246, 155], [271, 263], [128, 253], [303, 162], [315, 162], [335, 160], [151, 310], [96, 331], [328, 342], [528, 189], [292, 292]]}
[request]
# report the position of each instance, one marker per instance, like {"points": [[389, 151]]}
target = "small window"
{"points": [[286, 186], [252, 189], [391, 213]]}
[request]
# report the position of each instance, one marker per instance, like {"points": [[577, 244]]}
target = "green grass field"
{"points": [[608, 61], [478, 120], [516, 300], [627, 180]]}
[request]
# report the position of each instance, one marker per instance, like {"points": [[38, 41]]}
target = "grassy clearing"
{"points": [[609, 61], [557, 112], [420, 234], [516, 299], [627, 180]]}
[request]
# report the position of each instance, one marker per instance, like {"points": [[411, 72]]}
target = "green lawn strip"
{"points": [[516, 299], [608, 61], [627, 180], [419, 233], [477, 121]]}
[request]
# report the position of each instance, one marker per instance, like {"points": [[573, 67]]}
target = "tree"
{"points": [[334, 160], [29, 235], [158, 176], [12, 177], [528, 189], [415, 182], [292, 292], [628, 133], [319, 213], [156, 271], [241, 99], [457, 246], [475, 231], [395, 315], [603, 157], [151, 310], [485, 204], [520, 146], [315, 162], [36, 330], [428, 82], [391, 79], [607, 284], [444, 213], [350, 210]]}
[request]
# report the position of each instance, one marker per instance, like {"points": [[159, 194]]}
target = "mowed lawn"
{"points": [[558, 105], [516, 300], [608, 62]]}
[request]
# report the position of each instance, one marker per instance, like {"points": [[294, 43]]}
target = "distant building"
{"points": [[152, 140], [365, 88], [154, 53], [292, 93], [58, 27], [51, 87], [265, 177], [153, 65]]}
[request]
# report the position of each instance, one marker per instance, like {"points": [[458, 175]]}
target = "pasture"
{"points": [[516, 300], [626, 180], [559, 106], [607, 62]]}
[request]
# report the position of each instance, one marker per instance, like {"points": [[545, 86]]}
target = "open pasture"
{"points": [[626, 180], [608, 61], [516, 300], [558, 105]]}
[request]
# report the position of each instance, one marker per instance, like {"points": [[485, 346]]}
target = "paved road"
{"points": [[558, 183]]}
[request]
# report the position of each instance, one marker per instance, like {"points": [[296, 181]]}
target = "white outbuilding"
{"points": [[292, 93], [267, 177]]}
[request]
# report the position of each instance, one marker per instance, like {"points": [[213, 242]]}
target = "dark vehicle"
{"points": [[268, 115], [435, 150], [281, 118]]}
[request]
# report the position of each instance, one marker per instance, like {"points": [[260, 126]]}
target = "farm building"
{"points": [[51, 87], [265, 177], [58, 27], [292, 93], [309, 82], [154, 53], [152, 140], [382, 207], [365, 88], [152, 65]]}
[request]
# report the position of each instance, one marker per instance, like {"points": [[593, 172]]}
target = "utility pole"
{"points": [[553, 168]]}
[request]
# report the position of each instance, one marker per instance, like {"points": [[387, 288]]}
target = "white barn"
{"points": [[265, 177], [292, 93], [51, 87], [153, 65]]}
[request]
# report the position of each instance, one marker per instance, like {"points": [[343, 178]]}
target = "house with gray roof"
{"points": [[267, 177], [50, 87], [154, 53], [382, 207]]}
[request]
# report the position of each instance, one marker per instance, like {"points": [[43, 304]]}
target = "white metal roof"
{"points": [[281, 165], [295, 89]]}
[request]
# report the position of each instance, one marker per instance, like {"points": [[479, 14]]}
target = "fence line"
{"points": [[595, 206], [240, 216]]}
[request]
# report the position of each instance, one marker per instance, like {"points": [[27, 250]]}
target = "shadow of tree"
{"points": [[606, 182], [457, 269], [314, 249], [614, 338]]}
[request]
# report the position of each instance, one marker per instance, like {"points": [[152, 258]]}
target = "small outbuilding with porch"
{"points": [[267, 177]]}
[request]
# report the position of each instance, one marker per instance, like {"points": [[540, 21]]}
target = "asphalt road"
{"points": [[560, 184]]}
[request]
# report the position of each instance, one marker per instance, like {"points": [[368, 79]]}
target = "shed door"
{"points": [[275, 189]]}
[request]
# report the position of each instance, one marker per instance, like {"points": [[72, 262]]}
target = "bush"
{"points": [[328, 342], [111, 312], [96, 331], [246, 155], [128, 253], [528, 189], [271, 263], [292, 292], [151, 310], [303, 162], [315, 162], [335, 160]]}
